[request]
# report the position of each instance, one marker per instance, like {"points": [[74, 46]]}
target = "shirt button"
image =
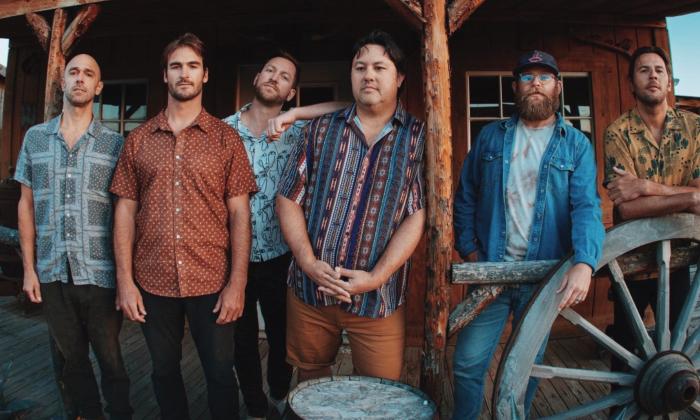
{"points": [[177, 210], [180, 262], [177, 157], [177, 236], [69, 175], [67, 214], [67, 195], [177, 183]]}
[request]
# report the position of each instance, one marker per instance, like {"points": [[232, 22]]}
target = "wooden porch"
{"points": [[23, 340]]}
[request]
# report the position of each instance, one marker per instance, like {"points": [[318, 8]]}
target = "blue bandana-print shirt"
{"points": [[73, 210], [268, 159]]}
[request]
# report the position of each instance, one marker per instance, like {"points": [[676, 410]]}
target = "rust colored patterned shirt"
{"points": [[181, 184]]}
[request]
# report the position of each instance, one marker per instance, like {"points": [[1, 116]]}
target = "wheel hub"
{"points": [[667, 383]]}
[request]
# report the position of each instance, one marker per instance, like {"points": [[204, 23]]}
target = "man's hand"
{"points": [[359, 281], [130, 301], [327, 279], [230, 304], [574, 285], [276, 126], [31, 287], [625, 187]]}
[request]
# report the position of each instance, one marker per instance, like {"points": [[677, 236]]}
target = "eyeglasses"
{"points": [[529, 78]]}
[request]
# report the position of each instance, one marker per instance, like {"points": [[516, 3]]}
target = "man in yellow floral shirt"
{"points": [[652, 168]]}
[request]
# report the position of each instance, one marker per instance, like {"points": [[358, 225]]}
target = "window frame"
{"points": [[123, 83]]}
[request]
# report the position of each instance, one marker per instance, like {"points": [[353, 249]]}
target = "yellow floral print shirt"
{"points": [[630, 145]]}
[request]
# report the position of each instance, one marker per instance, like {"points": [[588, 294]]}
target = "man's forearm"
{"points": [[656, 189], [400, 248], [124, 236], [657, 205], [27, 229], [240, 236], [293, 226], [312, 111]]}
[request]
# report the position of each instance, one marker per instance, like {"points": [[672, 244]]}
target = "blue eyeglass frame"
{"points": [[542, 77]]}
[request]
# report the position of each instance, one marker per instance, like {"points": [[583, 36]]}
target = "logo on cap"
{"points": [[536, 57]]}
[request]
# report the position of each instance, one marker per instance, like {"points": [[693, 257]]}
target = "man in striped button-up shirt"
{"points": [[351, 209]]}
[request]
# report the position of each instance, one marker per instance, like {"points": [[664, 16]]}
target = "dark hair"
{"points": [[286, 56], [648, 50], [189, 40], [391, 48]]}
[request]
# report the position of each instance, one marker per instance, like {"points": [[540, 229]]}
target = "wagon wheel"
{"points": [[661, 382]]}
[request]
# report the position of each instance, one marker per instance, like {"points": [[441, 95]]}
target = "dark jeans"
{"points": [[644, 294], [164, 330], [267, 283], [79, 316]]}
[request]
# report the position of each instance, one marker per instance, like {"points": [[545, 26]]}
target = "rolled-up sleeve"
{"points": [[125, 180], [293, 180]]}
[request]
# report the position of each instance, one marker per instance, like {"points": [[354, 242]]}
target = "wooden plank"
{"points": [[9, 111], [55, 67], [9, 8], [77, 28], [459, 11], [410, 11], [41, 29], [438, 161]]}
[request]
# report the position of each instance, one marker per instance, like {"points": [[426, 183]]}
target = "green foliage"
{"points": [[12, 410]]}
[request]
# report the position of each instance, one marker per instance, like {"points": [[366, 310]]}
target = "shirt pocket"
{"points": [[560, 173], [491, 168]]}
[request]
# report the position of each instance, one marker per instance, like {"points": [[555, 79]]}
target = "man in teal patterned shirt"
{"points": [[65, 215], [268, 150]]}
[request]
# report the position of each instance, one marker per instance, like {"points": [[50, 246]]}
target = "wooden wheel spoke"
{"points": [[691, 344], [625, 412], [625, 299], [548, 372], [663, 335], [696, 406], [680, 331], [619, 397], [616, 349]]}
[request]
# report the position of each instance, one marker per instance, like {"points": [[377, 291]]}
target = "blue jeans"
{"points": [[476, 344]]}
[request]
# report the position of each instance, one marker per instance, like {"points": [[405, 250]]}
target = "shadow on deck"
{"points": [[24, 340]]}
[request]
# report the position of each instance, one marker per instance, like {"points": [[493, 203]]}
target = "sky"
{"points": [[684, 32]]}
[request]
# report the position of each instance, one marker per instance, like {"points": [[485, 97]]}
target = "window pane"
{"points": [[96, 107], [111, 101], [584, 125], [135, 102], [577, 97], [483, 96], [508, 97], [112, 125], [475, 127], [310, 95], [130, 126]]}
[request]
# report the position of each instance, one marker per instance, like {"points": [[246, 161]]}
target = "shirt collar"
{"points": [[400, 114], [203, 121], [672, 121], [559, 124], [54, 126]]}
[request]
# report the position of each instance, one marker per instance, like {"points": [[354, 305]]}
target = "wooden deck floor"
{"points": [[24, 340]]}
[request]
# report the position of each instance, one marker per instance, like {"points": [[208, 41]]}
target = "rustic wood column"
{"points": [[438, 170], [55, 66]]}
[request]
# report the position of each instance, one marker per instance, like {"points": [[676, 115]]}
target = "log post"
{"points": [[436, 79], [55, 66]]}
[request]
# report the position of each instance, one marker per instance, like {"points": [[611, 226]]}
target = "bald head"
{"points": [[81, 81]]}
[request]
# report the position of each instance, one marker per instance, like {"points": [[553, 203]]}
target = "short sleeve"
{"points": [[617, 155], [416, 197], [294, 134], [695, 160], [239, 179], [293, 179], [125, 180], [23, 169]]}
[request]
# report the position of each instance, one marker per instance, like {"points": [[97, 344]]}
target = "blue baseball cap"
{"points": [[536, 58]]}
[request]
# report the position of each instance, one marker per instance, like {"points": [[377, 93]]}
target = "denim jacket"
{"points": [[567, 212]]}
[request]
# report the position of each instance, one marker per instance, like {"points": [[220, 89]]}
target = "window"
{"points": [[490, 98], [122, 105], [313, 93]]}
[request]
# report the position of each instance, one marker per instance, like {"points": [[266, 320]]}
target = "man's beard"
{"points": [[649, 99], [268, 101], [537, 111], [78, 102], [184, 97]]}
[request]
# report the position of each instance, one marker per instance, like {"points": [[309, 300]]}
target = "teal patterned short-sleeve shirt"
{"points": [[73, 210], [268, 159]]}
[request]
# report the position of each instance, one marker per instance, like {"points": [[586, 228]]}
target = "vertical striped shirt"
{"points": [[354, 197]]}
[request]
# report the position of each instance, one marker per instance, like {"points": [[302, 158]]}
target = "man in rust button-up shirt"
{"points": [[183, 182]]}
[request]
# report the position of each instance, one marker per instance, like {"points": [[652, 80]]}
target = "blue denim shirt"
{"points": [[567, 212]]}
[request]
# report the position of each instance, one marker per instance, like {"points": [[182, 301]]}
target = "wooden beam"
{"points": [[55, 66], [41, 29], [459, 11], [410, 10], [9, 8], [438, 161], [80, 24]]}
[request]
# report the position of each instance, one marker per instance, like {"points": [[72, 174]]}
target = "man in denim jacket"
{"points": [[527, 191]]}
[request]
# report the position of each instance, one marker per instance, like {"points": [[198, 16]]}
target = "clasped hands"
{"points": [[330, 282]]}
